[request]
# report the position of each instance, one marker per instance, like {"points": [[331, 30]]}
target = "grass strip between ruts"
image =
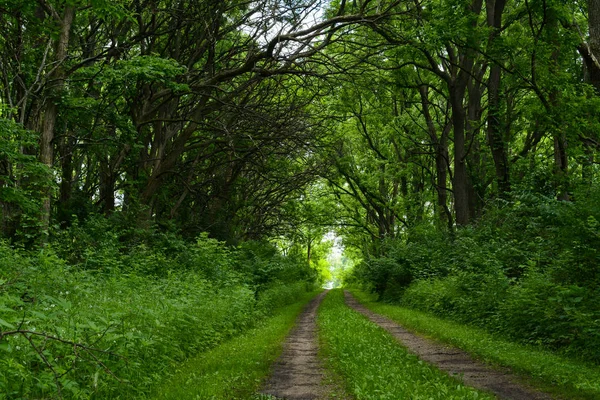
{"points": [[237, 368], [566, 377], [373, 365]]}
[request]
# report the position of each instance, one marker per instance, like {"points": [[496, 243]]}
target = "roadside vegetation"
{"points": [[527, 272], [569, 378], [170, 171], [237, 368], [85, 317], [373, 365]]}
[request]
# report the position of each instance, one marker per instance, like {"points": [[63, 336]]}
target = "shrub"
{"points": [[540, 311], [116, 332], [261, 264], [528, 269], [465, 297]]}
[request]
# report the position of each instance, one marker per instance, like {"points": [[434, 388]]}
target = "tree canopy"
{"points": [[216, 150]]}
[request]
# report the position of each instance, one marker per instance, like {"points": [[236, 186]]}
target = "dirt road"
{"points": [[298, 374], [454, 361]]}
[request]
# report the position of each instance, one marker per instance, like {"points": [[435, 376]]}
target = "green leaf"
{"points": [[6, 324]]}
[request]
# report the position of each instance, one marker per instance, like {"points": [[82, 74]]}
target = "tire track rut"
{"points": [[455, 362], [298, 373]]}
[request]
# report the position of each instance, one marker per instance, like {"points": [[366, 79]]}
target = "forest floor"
{"points": [[300, 375]]}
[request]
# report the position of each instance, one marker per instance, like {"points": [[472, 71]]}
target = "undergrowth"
{"points": [[84, 317], [237, 368], [528, 271]]}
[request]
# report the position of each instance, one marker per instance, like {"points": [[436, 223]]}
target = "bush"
{"points": [[465, 297], [540, 311], [528, 270], [116, 332], [261, 264], [279, 295], [421, 256]]}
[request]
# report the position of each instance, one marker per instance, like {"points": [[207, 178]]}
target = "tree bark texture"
{"points": [[593, 61], [51, 110]]}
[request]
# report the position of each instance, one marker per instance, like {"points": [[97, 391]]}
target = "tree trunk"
{"points": [[5, 206], [593, 61], [460, 184], [475, 158], [498, 147], [107, 186], [561, 166], [457, 86], [50, 111], [66, 180], [440, 147]]}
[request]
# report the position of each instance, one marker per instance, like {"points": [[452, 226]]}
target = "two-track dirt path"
{"points": [[454, 361], [298, 374]]}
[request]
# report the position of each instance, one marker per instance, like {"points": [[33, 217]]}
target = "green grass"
{"points": [[237, 368], [566, 377], [373, 365]]}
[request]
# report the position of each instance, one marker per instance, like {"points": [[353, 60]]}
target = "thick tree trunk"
{"points": [[475, 158], [460, 184], [494, 132], [561, 165], [593, 61], [457, 86], [51, 110]]}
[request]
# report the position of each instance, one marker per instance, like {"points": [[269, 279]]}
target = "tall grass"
{"points": [[117, 330], [237, 368]]}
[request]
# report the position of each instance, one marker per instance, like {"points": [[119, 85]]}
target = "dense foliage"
{"points": [[451, 144], [465, 164], [111, 322], [527, 270]]}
